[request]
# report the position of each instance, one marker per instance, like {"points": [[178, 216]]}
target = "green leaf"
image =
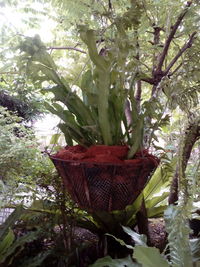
{"points": [[106, 221], [131, 210], [137, 137], [19, 243], [176, 221], [156, 211], [156, 200], [160, 179], [74, 104], [70, 128], [6, 243], [88, 224], [37, 260], [195, 248], [149, 257], [140, 240], [10, 221], [43, 57], [109, 262], [102, 82], [88, 38], [54, 139], [121, 242], [67, 134], [87, 82], [50, 74], [103, 107]]}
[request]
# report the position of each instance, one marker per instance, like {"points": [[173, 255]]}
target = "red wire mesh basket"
{"points": [[104, 186]]}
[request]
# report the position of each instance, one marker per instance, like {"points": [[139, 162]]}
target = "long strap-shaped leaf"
{"points": [[102, 82]]}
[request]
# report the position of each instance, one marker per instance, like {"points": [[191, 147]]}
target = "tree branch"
{"points": [[148, 80], [182, 50], [109, 4], [138, 83], [191, 136], [66, 48], [156, 41], [171, 36]]}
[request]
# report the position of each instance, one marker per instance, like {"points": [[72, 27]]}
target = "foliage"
{"points": [[109, 90], [55, 209], [146, 52], [177, 217], [27, 109], [15, 139], [180, 251], [21, 162], [16, 93], [12, 245], [27, 241], [108, 261], [99, 117], [147, 40], [150, 256]]}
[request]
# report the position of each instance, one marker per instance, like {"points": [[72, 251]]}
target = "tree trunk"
{"points": [[192, 134]]}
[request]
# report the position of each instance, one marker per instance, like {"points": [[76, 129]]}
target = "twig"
{"points": [[9, 72], [142, 63], [171, 36], [179, 66], [110, 4], [156, 41], [138, 83], [66, 48], [182, 50]]}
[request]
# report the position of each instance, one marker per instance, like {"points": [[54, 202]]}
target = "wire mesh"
{"points": [[4, 213], [103, 186]]}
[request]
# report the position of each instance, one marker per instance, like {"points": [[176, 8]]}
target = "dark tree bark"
{"points": [[192, 134], [142, 222]]}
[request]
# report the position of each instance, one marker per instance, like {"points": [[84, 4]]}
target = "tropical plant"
{"points": [[110, 108], [127, 85], [181, 250], [25, 240]]}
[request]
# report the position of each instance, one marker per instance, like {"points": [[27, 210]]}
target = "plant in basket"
{"points": [[105, 164], [110, 116]]}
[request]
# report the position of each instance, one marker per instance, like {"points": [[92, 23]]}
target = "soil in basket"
{"points": [[104, 154]]}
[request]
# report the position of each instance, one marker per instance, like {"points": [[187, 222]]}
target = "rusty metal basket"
{"points": [[104, 186]]}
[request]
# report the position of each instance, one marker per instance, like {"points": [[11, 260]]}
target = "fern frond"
{"points": [[178, 236]]}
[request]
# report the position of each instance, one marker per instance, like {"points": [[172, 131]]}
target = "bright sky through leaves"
{"points": [[17, 21]]}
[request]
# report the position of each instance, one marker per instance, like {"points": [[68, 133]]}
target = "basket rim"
{"points": [[99, 163]]}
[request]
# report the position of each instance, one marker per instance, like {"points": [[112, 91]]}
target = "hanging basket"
{"points": [[105, 186]]}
